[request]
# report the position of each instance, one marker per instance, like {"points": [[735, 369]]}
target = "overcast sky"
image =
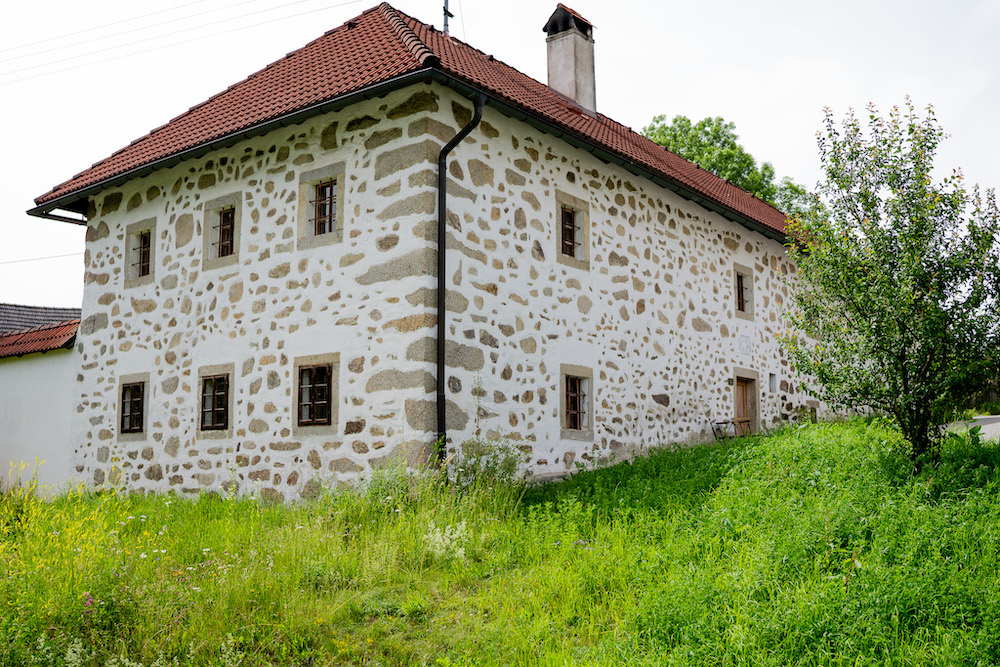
{"points": [[79, 80]]}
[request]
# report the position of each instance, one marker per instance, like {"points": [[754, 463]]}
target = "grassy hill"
{"points": [[812, 546]]}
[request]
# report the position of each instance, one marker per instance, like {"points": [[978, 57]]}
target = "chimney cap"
{"points": [[563, 19]]}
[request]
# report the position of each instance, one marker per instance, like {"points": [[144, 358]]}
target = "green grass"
{"points": [[811, 546]]}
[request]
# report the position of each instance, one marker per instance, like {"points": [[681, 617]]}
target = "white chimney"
{"points": [[571, 56]]}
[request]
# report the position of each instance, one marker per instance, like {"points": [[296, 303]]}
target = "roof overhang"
{"points": [[72, 207]]}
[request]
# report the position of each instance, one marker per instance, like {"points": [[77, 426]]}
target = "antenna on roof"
{"points": [[447, 15]]}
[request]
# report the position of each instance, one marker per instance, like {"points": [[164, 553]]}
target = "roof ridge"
{"points": [[423, 53]]}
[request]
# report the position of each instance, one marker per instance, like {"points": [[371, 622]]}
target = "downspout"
{"points": [[442, 428]]}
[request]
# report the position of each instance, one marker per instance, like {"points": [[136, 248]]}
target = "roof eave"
{"points": [[71, 201]]}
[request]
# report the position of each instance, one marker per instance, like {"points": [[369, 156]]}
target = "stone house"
{"points": [[263, 274]]}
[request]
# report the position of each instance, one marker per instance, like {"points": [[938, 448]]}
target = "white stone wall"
{"points": [[37, 397], [652, 316], [366, 298]]}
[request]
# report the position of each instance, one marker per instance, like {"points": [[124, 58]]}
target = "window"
{"points": [[575, 397], [215, 402], [572, 231], [314, 395], [743, 291], [221, 231], [569, 232], [576, 402], [225, 232], [131, 407], [314, 402], [325, 207], [140, 252], [321, 206]]}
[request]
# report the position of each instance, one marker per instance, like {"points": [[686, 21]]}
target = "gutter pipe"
{"points": [[442, 236]]}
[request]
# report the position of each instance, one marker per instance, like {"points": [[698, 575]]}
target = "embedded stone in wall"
{"points": [[456, 355], [98, 233], [412, 322], [344, 465], [111, 203], [424, 100], [393, 380], [480, 173], [328, 138], [421, 203], [397, 159], [143, 305], [381, 138], [700, 325], [93, 323], [422, 415], [361, 123], [416, 263], [183, 230], [425, 296]]}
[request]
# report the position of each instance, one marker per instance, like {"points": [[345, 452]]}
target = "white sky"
{"points": [[769, 66]]}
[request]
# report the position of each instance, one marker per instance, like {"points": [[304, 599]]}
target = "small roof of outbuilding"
{"points": [[45, 338], [15, 317], [367, 56]]}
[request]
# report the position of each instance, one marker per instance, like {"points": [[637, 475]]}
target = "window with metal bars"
{"points": [[314, 395], [227, 232], [215, 403], [132, 399], [575, 401], [142, 253], [569, 231], [324, 206]]}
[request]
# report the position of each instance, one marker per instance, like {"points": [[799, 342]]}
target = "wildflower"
{"points": [[142, 555]]}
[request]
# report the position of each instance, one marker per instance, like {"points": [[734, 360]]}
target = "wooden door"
{"points": [[742, 413]]}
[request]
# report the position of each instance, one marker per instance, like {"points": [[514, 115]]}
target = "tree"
{"points": [[713, 144], [895, 304]]}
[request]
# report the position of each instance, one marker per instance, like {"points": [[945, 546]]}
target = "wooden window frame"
{"points": [[215, 410], [221, 231], [743, 292], [321, 220], [143, 243], [576, 402], [315, 410], [567, 221], [140, 252], [576, 394], [324, 207], [572, 240], [226, 232], [132, 407], [315, 428]]}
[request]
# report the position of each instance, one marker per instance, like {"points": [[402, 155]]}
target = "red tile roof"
{"points": [[378, 46], [39, 339]]}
